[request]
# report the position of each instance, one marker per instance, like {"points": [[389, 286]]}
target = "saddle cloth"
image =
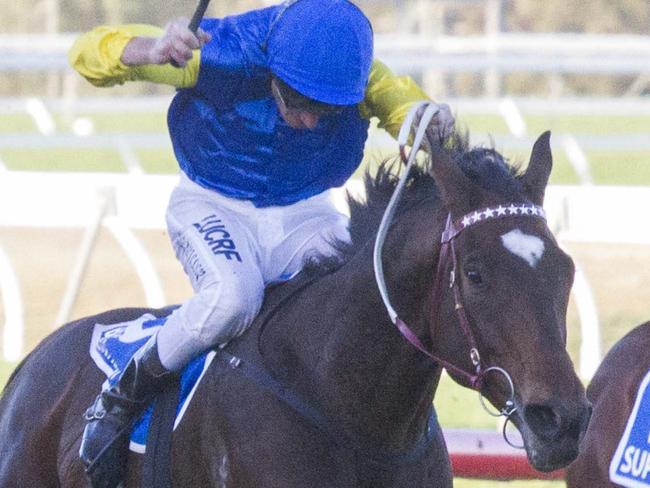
{"points": [[113, 345], [630, 466]]}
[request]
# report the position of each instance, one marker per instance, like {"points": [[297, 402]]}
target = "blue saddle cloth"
{"points": [[113, 345], [630, 466]]}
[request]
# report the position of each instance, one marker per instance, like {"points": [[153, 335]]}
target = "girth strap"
{"points": [[156, 469], [364, 448]]}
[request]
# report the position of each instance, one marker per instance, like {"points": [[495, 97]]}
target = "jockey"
{"points": [[272, 112]]}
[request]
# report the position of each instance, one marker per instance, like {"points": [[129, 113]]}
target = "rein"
{"points": [[447, 254]]}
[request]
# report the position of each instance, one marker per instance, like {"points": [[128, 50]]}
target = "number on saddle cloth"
{"points": [[113, 345], [630, 466]]}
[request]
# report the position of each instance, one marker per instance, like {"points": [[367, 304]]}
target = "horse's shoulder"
{"points": [[624, 366]]}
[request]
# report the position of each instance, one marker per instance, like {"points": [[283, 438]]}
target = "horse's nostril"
{"points": [[543, 420]]}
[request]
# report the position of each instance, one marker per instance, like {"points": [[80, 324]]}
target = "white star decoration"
{"points": [[501, 211]]}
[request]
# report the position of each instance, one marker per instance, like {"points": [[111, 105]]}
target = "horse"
{"points": [[612, 391], [323, 390]]}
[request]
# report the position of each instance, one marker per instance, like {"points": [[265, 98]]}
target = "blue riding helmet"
{"points": [[322, 49]]}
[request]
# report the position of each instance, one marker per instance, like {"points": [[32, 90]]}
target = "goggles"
{"points": [[294, 101]]}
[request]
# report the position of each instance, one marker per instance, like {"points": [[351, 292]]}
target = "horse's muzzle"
{"points": [[553, 433]]}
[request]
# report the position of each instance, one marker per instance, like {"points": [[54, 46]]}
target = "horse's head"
{"points": [[512, 284]]}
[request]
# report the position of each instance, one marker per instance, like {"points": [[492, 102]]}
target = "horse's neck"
{"points": [[344, 353]]}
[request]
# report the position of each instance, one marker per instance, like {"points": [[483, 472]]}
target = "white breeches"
{"points": [[231, 250]]}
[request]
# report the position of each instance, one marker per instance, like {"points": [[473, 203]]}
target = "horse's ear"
{"points": [[455, 188], [539, 168]]}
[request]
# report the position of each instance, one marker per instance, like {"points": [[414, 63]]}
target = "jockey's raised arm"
{"points": [[107, 56], [175, 44]]}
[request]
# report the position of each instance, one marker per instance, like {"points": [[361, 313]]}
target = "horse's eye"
{"points": [[474, 276]]}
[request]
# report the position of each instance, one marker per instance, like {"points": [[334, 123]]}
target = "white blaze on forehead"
{"points": [[527, 247]]}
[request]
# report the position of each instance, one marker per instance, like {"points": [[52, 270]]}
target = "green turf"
{"points": [[116, 123], [452, 399], [563, 173], [572, 124], [16, 123], [61, 159], [620, 168], [589, 124], [157, 161], [488, 124]]}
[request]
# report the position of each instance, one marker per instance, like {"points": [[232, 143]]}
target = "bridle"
{"points": [[448, 254]]}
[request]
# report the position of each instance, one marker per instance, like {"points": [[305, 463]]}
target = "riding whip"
{"points": [[195, 21]]}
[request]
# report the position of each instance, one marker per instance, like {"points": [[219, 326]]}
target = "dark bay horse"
{"points": [[363, 414], [613, 392]]}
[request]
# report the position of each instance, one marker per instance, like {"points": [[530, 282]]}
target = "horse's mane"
{"points": [[483, 165]]}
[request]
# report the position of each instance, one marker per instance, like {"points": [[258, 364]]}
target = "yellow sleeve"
{"points": [[96, 56], [389, 97]]}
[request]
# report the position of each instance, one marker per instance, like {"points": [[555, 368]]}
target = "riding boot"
{"points": [[104, 446]]}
